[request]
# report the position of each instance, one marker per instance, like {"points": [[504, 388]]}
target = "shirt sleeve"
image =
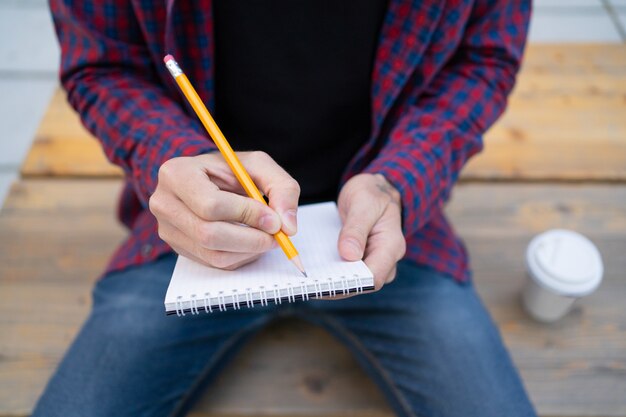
{"points": [[110, 78], [430, 143]]}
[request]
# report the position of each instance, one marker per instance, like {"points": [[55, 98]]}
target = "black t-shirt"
{"points": [[293, 78]]}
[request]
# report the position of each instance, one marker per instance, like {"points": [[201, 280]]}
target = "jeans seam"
{"points": [[384, 376], [219, 355]]}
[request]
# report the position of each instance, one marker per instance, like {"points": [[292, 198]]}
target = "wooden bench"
{"points": [[556, 159]]}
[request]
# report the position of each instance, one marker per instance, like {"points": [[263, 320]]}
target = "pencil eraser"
{"points": [[168, 58]]}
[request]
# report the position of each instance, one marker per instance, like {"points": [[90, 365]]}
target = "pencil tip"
{"points": [[298, 263]]}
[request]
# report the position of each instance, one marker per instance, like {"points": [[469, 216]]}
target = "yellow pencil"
{"points": [[228, 153]]}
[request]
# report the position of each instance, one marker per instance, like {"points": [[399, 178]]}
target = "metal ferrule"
{"points": [[173, 68]]}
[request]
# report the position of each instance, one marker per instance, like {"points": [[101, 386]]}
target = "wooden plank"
{"points": [[565, 122], [55, 237], [565, 119], [293, 368], [64, 148], [576, 367]]}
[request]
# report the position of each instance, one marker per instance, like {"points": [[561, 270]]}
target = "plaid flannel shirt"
{"points": [[442, 73]]}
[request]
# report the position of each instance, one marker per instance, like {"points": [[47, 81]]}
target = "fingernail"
{"points": [[290, 220], [268, 223]]}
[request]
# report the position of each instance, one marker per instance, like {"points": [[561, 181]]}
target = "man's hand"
{"points": [[371, 212], [204, 214]]}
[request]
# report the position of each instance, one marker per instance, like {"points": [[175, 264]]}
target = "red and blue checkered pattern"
{"points": [[442, 74]]}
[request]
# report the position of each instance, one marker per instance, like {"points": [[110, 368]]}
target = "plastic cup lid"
{"points": [[565, 262]]}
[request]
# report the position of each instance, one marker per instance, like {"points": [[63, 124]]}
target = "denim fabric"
{"points": [[426, 340]]}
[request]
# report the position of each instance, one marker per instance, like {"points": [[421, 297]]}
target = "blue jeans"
{"points": [[427, 341]]}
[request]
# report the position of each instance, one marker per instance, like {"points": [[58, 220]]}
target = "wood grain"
{"points": [[576, 367], [565, 119], [64, 148], [56, 235], [565, 122]]}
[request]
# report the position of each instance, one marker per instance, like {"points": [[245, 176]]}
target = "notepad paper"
{"points": [[196, 288]]}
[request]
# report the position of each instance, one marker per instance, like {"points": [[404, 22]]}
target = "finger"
{"points": [[359, 219], [176, 240], [185, 246], [229, 268], [229, 237], [220, 174], [391, 276], [211, 204], [229, 260], [245, 261], [181, 251], [385, 248], [218, 235], [380, 262], [280, 188]]}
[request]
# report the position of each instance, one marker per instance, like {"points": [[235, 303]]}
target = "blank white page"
{"points": [[273, 276]]}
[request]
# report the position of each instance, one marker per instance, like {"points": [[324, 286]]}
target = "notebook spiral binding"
{"points": [[262, 296]]}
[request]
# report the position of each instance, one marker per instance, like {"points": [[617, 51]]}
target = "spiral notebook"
{"points": [[196, 288]]}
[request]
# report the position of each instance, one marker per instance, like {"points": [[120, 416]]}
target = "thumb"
{"points": [[281, 189], [358, 222]]}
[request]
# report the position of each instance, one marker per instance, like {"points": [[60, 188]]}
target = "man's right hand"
{"points": [[204, 213]]}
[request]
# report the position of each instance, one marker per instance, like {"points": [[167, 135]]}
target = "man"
{"points": [[377, 104]]}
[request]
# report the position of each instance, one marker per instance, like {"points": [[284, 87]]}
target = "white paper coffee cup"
{"points": [[562, 266]]}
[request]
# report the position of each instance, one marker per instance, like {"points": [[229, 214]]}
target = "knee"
{"points": [[455, 319]]}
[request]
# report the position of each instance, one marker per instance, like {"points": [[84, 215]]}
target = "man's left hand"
{"points": [[371, 211]]}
